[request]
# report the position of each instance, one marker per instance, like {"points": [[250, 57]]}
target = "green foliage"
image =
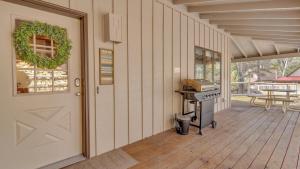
{"points": [[26, 31]]}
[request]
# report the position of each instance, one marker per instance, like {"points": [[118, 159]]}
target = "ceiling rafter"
{"points": [[239, 47], [256, 47], [276, 48], [263, 23]]}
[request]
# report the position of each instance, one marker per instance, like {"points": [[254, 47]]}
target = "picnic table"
{"points": [[271, 97]]}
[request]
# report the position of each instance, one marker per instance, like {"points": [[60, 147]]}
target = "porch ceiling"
{"points": [[259, 28]]}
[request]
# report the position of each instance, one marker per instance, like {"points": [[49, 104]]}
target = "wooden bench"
{"points": [[285, 102]]}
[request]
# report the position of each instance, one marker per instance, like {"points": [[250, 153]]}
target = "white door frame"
{"points": [[45, 6]]}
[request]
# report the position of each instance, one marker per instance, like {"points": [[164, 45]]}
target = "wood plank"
{"points": [[104, 102], [292, 155], [278, 154], [230, 119], [225, 60], [206, 37], [197, 34], [217, 147], [147, 66], [64, 3], [211, 38], [243, 137], [168, 75], [251, 154], [184, 49], [121, 82], [191, 44], [263, 157], [134, 71], [187, 152], [221, 103], [202, 35], [160, 137], [158, 68], [215, 48], [248, 145], [228, 70], [244, 140], [194, 150], [176, 62]]}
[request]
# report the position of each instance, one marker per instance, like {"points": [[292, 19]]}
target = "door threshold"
{"points": [[64, 163]]}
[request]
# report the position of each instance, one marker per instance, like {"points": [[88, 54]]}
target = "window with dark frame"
{"points": [[207, 65]]}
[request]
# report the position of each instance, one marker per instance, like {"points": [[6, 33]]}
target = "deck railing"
{"points": [[250, 88]]}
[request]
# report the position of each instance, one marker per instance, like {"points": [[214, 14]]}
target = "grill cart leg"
{"points": [[200, 117], [214, 124]]}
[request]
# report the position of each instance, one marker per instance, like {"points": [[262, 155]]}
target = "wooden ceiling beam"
{"points": [[266, 36], [212, 2], [275, 39], [286, 55], [260, 28], [288, 43], [295, 14], [282, 5], [265, 32], [259, 22], [188, 2]]}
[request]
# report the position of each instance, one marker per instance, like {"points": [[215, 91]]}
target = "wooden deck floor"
{"points": [[245, 138]]}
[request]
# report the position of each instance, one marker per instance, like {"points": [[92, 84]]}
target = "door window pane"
{"points": [[31, 79]]}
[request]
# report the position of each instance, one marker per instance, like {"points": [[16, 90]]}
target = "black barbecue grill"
{"points": [[203, 97]]}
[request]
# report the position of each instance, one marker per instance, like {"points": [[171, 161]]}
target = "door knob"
{"points": [[77, 82], [78, 94]]}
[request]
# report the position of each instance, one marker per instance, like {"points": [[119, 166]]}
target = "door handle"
{"points": [[77, 82], [78, 94]]}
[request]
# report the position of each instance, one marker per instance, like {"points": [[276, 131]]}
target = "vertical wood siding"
{"points": [[158, 60], [147, 66], [168, 76], [157, 52], [121, 81], [135, 70]]}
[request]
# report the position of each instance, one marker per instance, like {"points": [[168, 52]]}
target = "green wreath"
{"points": [[26, 30]]}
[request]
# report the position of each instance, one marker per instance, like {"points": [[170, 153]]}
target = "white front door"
{"points": [[40, 109]]}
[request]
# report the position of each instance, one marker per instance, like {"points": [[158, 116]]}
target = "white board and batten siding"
{"points": [[157, 52]]}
